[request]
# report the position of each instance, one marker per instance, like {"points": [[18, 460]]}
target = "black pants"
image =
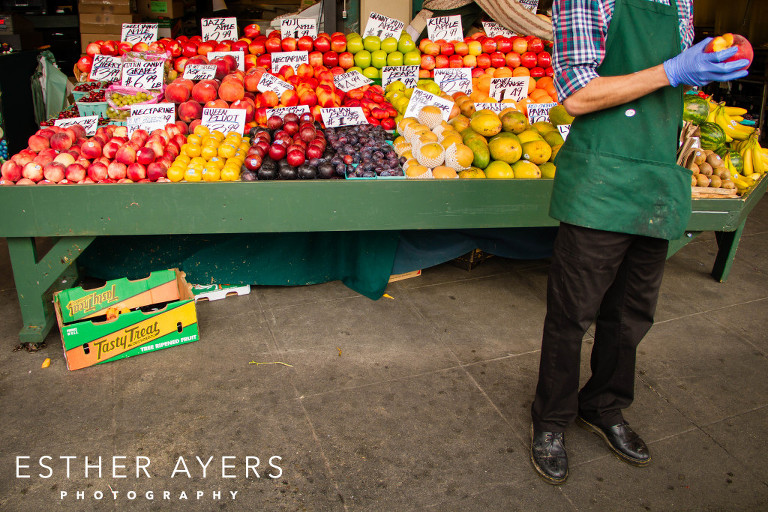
{"points": [[618, 275]]}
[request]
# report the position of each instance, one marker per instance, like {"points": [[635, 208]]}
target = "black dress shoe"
{"points": [[622, 440], [548, 456]]}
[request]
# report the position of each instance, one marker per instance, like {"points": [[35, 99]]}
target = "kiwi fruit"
{"points": [[715, 181], [722, 172], [702, 180], [727, 184], [694, 181], [714, 160], [694, 168], [705, 169], [699, 157]]}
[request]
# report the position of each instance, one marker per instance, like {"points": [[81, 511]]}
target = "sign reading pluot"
{"points": [[453, 80], [224, 119], [383, 27], [420, 99], [106, 68], [143, 74], [513, 87], [352, 80], [539, 112], [89, 123], [445, 27], [284, 111], [139, 32], [199, 71], [293, 59], [531, 5], [343, 116], [269, 82], [219, 29], [409, 75], [298, 27], [239, 58]]}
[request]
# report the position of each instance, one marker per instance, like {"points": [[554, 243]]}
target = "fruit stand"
{"points": [[280, 207]]}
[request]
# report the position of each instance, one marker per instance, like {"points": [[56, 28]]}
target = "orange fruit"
{"points": [[539, 96], [502, 72], [542, 82], [521, 71], [484, 84]]}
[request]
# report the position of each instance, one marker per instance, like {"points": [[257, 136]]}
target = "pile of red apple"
{"points": [[65, 155], [376, 108], [481, 52]]}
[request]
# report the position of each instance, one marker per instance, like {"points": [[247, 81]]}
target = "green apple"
{"points": [[372, 73], [412, 58], [389, 45], [372, 43], [395, 59], [378, 59], [355, 68], [355, 45], [353, 35], [362, 58], [406, 44]]}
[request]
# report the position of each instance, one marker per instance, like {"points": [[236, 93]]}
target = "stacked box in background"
{"points": [[166, 13], [103, 19]]}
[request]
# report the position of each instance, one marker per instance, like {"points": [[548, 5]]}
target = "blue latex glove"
{"points": [[694, 67]]}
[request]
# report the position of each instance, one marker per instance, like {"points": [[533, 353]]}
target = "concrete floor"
{"points": [[411, 403]]}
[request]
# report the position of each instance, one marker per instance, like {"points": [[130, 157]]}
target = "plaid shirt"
{"points": [[580, 29]]}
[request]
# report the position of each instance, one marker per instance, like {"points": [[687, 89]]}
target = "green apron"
{"points": [[616, 170]]}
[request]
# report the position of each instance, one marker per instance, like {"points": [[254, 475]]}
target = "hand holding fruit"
{"points": [[697, 66]]}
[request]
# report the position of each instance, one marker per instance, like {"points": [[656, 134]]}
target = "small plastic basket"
{"points": [[92, 108]]}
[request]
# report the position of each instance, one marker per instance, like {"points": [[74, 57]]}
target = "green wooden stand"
{"points": [[78, 213]]}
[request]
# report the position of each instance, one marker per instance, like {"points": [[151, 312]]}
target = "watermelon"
{"points": [[695, 109], [712, 135], [737, 160]]}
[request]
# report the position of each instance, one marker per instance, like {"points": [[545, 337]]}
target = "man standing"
{"points": [[620, 199]]}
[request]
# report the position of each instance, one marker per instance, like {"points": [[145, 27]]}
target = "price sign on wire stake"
{"points": [[409, 75], [89, 123], [383, 27], [453, 80], [219, 29], [106, 68], [493, 107], [199, 71], [420, 99], [293, 59], [445, 27], [283, 111], [515, 88], [224, 119], [531, 5], [143, 74], [239, 58], [298, 27], [564, 130], [352, 80], [139, 32], [493, 29], [539, 112], [148, 122], [343, 116], [269, 82], [166, 109]]}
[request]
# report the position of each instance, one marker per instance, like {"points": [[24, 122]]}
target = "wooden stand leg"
{"points": [[727, 243], [34, 278]]}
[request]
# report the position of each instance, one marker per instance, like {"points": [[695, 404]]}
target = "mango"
{"points": [[485, 122], [505, 147]]}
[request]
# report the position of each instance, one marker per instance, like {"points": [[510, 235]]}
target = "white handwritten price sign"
{"points": [[139, 32], [298, 27], [143, 74], [225, 120], [564, 130], [493, 29], [352, 80], [420, 99], [293, 59], [89, 123], [453, 80], [493, 107], [148, 122], [284, 111], [239, 58], [166, 109], [445, 27], [515, 88], [539, 112], [269, 82], [219, 29], [531, 5], [383, 27], [199, 71], [343, 116], [409, 75], [106, 68]]}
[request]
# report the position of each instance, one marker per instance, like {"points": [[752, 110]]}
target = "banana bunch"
{"points": [[728, 119], [755, 162]]}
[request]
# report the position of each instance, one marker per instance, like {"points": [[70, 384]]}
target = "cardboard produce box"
{"points": [[125, 318], [160, 8], [106, 6], [105, 23]]}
